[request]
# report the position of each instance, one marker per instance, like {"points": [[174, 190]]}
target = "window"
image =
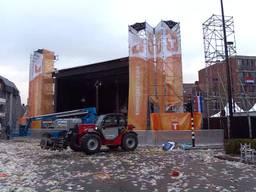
{"points": [[217, 106], [253, 64], [215, 79], [242, 88], [241, 75], [107, 121], [110, 121], [122, 121], [115, 120], [249, 88], [1, 108], [243, 64], [239, 63]]}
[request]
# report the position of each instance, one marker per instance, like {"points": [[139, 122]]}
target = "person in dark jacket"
{"points": [[8, 132]]}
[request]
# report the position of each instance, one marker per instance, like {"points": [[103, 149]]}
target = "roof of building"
{"points": [[95, 67], [222, 62], [9, 86], [244, 56]]}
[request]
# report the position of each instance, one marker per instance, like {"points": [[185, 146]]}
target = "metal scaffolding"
{"points": [[214, 51], [213, 39]]}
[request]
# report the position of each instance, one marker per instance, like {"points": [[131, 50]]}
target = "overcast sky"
{"points": [[83, 32]]}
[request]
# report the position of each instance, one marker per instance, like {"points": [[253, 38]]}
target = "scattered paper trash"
{"points": [[3, 174], [186, 146], [102, 175], [168, 146]]}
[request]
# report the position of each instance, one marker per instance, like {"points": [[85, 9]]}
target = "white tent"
{"points": [[236, 108], [216, 115], [253, 108]]}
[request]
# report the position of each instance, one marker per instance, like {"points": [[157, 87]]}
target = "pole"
{"points": [[97, 99], [229, 119], [191, 108], [97, 85], [227, 63]]}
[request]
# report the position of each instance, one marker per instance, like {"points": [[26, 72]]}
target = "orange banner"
{"points": [[155, 76], [41, 93], [137, 112], [169, 67], [174, 121], [141, 73]]}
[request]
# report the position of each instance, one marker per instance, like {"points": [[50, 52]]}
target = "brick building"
{"points": [[191, 90], [213, 82]]}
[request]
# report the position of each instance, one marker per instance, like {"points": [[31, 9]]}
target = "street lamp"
{"points": [[97, 84], [226, 60]]}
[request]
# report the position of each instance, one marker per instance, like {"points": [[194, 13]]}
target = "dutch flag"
{"points": [[198, 104]]}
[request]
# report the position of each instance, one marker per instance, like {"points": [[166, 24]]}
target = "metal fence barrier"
{"points": [[203, 137]]}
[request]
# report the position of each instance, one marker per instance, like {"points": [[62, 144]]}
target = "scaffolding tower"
{"points": [[216, 86]]}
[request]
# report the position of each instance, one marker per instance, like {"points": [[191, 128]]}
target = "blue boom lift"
{"points": [[56, 125]]}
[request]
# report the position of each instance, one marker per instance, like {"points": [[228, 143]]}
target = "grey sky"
{"points": [[83, 31]]}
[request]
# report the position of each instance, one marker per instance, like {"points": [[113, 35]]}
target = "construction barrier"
{"points": [[202, 137], [211, 137]]}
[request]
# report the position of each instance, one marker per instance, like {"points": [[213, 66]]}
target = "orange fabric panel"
{"points": [[155, 121], [141, 75], [137, 111], [160, 79], [174, 121], [174, 85], [35, 96], [197, 120]]}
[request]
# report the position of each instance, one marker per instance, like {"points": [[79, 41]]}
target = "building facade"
{"points": [[190, 90], [10, 104], [213, 83]]}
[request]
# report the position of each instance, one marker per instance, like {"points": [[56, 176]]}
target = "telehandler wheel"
{"points": [[90, 143], [129, 142], [45, 141], [73, 144]]}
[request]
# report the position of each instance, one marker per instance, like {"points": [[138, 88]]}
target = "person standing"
{"points": [[1, 131], [8, 132]]}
